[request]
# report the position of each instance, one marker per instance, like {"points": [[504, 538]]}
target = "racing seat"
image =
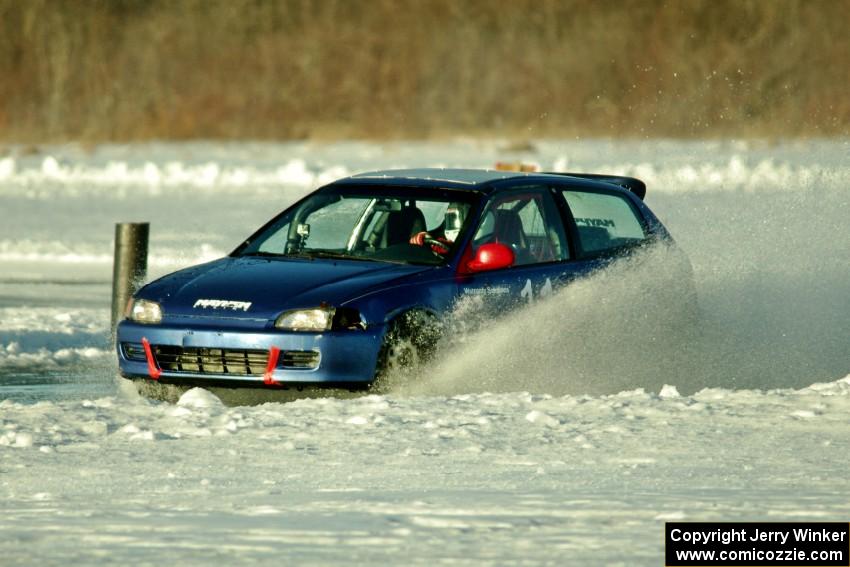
{"points": [[401, 225], [508, 230]]}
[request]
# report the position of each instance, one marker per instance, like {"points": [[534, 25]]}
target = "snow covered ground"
{"points": [[574, 445]]}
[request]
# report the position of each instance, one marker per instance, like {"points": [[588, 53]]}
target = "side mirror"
{"points": [[493, 256]]}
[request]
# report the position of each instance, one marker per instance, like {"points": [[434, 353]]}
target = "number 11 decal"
{"points": [[527, 291], [546, 290]]}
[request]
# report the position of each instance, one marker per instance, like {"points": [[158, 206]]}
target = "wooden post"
{"points": [[130, 265]]}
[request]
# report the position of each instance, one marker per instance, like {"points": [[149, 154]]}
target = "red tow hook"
{"points": [[274, 354], [153, 370]]}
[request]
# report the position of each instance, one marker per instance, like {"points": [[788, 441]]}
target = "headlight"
{"points": [[318, 319], [145, 311]]}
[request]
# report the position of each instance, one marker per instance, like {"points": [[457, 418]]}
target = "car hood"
{"points": [[261, 288]]}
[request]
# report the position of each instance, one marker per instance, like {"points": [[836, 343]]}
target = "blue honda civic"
{"points": [[358, 279]]}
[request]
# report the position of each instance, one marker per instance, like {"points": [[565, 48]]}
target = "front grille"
{"points": [[240, 362]]}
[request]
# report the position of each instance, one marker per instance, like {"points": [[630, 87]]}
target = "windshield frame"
{"points": [[414, 192]]}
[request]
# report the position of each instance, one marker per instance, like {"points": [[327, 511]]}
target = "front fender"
{"points": [[382, 306]]}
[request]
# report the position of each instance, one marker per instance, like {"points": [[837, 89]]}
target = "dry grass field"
{"points": [[96, 70]]}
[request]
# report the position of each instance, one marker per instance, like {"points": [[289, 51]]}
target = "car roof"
{"points": [[456, 178], [443, 175]]}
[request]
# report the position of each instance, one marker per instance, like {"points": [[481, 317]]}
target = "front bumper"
{"points": [[346, 359]]}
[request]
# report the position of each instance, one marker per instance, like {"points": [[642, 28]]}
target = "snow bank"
{"points": [[469, 422], [41, 338], [64, 252], [82, 179], [158, 169]]}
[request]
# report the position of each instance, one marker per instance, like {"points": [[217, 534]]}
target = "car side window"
{"points": [[529, 223], [277, 242], [327, 227], [604, 221]]}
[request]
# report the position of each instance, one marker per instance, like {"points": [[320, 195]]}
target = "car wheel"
{"points": [[410, 341]]}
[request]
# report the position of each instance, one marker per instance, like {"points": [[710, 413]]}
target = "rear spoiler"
{"points": [[636, 186]]}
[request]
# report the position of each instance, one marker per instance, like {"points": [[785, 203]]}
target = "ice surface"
{"points": [[566, 433], [473, 478]]}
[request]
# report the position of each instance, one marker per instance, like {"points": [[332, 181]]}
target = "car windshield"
{"points": [[369, 223]]}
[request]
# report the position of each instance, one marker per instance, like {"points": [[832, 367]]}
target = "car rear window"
{"points": [[604, 221]]}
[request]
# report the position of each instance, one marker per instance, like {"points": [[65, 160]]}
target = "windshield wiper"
{"points": [[335, 255], [332, 254], [310, 254], [263, 254]]}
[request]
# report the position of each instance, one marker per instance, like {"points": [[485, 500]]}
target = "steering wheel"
{"points": [[429, 240]]}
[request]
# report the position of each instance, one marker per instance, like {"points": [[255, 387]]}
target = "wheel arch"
{"points": [[394, 314]]}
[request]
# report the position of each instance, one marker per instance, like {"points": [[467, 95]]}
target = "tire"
{"points": [[410, 341]]}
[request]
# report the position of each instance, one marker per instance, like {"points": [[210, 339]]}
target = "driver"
{"points": [[441, 238]]}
